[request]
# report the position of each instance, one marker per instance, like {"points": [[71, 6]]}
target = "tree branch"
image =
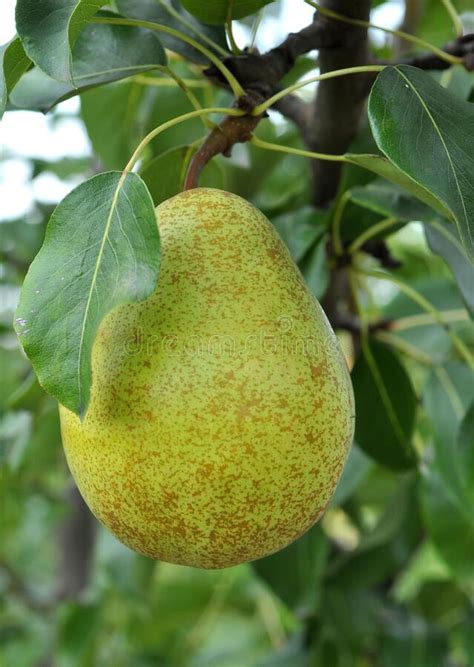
{"points": [[232, 130], [260, 74], [339, 102], [76, 545], [462, 47]]}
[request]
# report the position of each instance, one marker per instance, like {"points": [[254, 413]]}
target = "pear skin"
{"points": [[221, 409]]}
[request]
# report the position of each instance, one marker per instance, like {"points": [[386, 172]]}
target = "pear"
{"points": [[221, 407]]}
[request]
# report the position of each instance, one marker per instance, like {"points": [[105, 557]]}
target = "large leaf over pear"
{"points": [[101, 249], [49, 29], [428, 133]]}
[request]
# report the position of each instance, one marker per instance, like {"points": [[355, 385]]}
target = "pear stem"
{"points": [[170, 123], [230, 131]]}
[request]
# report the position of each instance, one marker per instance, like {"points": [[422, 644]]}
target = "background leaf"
{"points": [[102, 53], [49, 29], [447, 395], [101, 249], [13, 63], [450, 523], [385, 407], [444, 240], [164, 175], [428, 133], [294, 573], [215, 11], [158, 11], [112, 121]]}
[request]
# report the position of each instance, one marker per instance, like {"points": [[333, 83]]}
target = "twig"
{"points": [[462, 47], [232, 130]]}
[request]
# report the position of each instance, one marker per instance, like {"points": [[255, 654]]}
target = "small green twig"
{"points": [[363, 69], [169, 82], [230, 34], [234, 85], [336, 223], [370, 233], [190, 95], [450, 8], [425, 305], [296, 151], [187, 24], [405, 347], [170, 123], [255, 27], [424, 319]]}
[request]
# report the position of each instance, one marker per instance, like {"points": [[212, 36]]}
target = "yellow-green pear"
{"points": [[221, 410]]}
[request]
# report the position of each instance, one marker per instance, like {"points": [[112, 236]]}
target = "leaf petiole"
{"points": [[362, 69], [370, 233], [234, 85], [180, 18], [230, 34], [296, 151], [458, 27], [336, 223], [426, 305]]}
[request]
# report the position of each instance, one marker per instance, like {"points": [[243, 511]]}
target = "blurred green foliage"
{"points": [[386, 579]]}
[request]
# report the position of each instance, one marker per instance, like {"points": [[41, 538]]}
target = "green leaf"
{"points": [[39, 92], [101, 249], [49, 30], [355, 470], [13, 63], [384, 549], [315, 267], [382, 167], [447, 394], [466, 453], [78, 627], [447, 492], [294, 573], [110, 114], [102, 53], [14, 368], [15, 432], [390, 200], [215, 11], [450, 523], [385, 407], [178, 18], [428, 133], [411, 642], [164, 175], [443, 239], [299, 229]]}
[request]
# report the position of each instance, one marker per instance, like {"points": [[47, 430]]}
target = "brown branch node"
{"points": [[232, 130]]}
